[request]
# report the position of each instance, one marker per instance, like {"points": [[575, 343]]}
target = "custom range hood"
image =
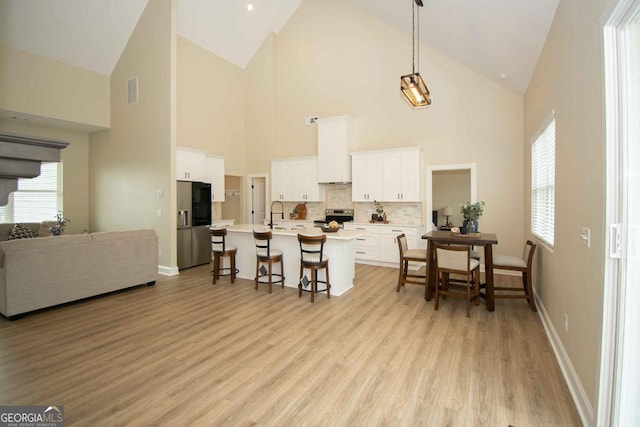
{"points": [[21, 156], [335, 135]]}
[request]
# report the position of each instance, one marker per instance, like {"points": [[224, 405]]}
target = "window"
{"points": [[543, 167], [37, 199]]}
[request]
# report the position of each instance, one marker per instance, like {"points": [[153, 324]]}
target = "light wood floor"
{"points": [[185, 352]]}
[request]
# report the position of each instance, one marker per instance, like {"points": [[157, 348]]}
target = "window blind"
{"points": [[37, 199], [543, 167]]}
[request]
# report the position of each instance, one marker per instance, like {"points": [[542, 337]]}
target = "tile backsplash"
{"points": [[338, 196]]}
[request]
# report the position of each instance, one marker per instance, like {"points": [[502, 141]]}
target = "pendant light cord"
{"points": [[413, 37]]}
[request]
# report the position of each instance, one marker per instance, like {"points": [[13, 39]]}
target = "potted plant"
{"points": [[379, 210], [61, 222], [471, 213]]}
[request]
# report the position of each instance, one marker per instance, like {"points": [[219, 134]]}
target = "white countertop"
{"points": [[293, 231]]}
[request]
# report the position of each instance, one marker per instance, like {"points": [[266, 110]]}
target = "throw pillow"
{"points": [[21, 232]]}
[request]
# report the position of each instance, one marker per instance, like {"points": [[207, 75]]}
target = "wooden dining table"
{"points": [[486, 240]]}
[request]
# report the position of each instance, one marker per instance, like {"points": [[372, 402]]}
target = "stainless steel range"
{"points": [[339, 215]]}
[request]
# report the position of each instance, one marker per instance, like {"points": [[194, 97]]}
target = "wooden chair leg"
{"points": [[282, 273], [314, 280], [468, 292], [300, 282], [477, 286], [270, 274], [400, 283], [216, 268], [532, 302], [328, 284], [437, 284], [257, 269], [233, 267]]}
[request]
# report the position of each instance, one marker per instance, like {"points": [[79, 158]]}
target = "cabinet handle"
{"points": [[360, 252], [361, 239]]}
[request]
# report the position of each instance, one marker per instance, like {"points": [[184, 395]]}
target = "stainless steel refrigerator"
{"points": [[194, 220]]}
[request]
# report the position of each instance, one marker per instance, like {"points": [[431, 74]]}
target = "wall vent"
{"points": [[132, 90]]}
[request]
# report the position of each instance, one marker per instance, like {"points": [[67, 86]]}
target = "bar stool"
{"points": [[220, 249], [312, 257], [522, 265], [266, 255]]}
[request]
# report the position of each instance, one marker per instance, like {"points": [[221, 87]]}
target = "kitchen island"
{"points": [[339, 248]]}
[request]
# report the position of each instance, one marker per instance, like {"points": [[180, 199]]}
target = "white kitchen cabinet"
{"points": [[215, 176], [296, 180], [380, 247], [307, 188], [190, 165], [386, 175], [282, 180], [389, 251], [402, 175], [335, 135], [367, 247], [367, 173]]}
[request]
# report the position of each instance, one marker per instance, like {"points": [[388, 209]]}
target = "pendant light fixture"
{"points": [[412, 85]]}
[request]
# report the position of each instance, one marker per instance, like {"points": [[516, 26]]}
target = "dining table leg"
{"points": [[431, 273], [488, 274]]}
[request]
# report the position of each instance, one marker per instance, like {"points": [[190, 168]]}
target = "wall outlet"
{"points": [[311, 120], [586, 237], [566, 323], [159, 212]]}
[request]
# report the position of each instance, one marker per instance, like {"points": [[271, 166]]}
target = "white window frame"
{"points": [[9, 212], [543, 151]]}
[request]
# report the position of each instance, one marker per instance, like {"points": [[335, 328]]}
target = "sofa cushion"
{"points": [[21, 232]]}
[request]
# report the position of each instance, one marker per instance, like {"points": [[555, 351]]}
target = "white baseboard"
{"points": [[573, 382], [168, 271]]}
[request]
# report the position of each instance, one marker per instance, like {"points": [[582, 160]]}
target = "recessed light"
{"points": [[503, 76], [249, 7]]}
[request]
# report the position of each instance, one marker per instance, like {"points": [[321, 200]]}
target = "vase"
{"points": [[470, 226]]}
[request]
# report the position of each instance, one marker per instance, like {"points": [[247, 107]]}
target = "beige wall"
{"points": [[75, 170], [44, 87], [210, 105], [332, 59], [570, 277], [135, 158]]}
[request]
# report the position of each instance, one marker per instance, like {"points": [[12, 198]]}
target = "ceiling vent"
{"points": [[20, 157], [132, 91]]}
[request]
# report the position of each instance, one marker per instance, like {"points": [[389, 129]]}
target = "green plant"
{"points": [[472, 211], [61, 222], [379, 207]]}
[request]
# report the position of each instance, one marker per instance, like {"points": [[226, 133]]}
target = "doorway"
{"points": [[257, 185], [441, 176], [619, 395]]}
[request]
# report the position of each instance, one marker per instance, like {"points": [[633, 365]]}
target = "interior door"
{"points": [[258, 200]]}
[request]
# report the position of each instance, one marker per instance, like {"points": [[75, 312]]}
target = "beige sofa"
{"points": [[46, 271]]}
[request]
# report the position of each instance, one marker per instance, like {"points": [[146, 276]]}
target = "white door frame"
{"points": [[471, 167], [614, 18], [249, 193]]}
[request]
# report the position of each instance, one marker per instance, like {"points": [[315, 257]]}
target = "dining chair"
{"points": [[313, 258], [410, 255], [453, 259], [266, 255], [523, 265]]}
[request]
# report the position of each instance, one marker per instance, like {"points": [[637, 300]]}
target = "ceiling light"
{"points": [[412, 85], [249, 7]]}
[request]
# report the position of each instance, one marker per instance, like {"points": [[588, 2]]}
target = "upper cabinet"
{"points": [[366, 169], [335, 135], [190, 165], [402, 175], [215, 176], [296, 180], [386, 175]]}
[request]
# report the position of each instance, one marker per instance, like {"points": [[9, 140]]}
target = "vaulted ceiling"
{"points": [[500, 39]]}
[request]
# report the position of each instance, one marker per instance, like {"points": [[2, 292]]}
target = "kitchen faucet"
{"points": [[281, 212]]}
